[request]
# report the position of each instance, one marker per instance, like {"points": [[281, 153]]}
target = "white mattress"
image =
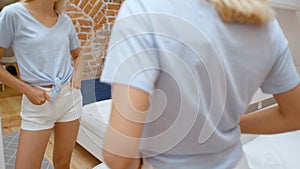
{"points": [[280, 151], [94, 121]]}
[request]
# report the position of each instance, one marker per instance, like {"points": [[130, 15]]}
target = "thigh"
{"points": [[31, 148], [65, 135]]}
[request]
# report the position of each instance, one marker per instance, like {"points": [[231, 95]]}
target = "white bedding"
{"points": [[95, 116], [94, 121], [280, 151]]}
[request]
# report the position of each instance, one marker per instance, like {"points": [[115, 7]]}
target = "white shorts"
{"points": [[242, 164], [66, 107]]}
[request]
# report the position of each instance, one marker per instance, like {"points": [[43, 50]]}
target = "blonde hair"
{"points": [[59, 5], [244, 11]]}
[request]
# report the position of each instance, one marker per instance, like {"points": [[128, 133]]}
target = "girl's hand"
{"points": [[37, 96], [75, 82]]}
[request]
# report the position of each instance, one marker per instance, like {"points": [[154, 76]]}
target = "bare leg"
{"points": [[31, 148], [65, 135]]}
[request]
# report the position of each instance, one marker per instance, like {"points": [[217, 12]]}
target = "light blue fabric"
{"points": [[43, 54], [201, 74]]}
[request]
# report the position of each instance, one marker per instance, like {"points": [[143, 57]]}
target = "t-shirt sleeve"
{"points": [[6, 29], [132, 59], [73, 38], [283, 76]]}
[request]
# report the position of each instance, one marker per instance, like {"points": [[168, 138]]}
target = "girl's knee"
{"points": [[61, 163]]}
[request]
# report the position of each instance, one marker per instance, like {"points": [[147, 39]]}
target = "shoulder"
{"points": [[134, 7], [65, 17], [66, 20], [11, 9], [10, 14], [276, 35]]}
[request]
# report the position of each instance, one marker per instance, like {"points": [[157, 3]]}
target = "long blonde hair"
{"points": [[244, 11], [59, 5]]}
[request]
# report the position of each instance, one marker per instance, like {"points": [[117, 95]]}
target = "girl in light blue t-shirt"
{"points": [[46, 47], [182, 74]]}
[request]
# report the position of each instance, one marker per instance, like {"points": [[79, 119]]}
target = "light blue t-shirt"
{"points": [[42, 53], [201, 74]]}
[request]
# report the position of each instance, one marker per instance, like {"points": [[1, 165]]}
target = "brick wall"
{"points": [[93, 20]]}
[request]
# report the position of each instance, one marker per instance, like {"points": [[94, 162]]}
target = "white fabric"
{"points": [[67, 107], [242, 164], [278, 151], [95, 117], [263, 151], [94, 121], [101, 166]]}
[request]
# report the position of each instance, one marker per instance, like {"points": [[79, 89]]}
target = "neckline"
{"points": [[37, 21]]}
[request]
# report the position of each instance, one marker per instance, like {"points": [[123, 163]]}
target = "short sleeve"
{"points": [[73, 38], [283, 75], [6, 29], [132, 59]]}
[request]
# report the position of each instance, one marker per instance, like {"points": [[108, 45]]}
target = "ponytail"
{"points": [[244, 11]]}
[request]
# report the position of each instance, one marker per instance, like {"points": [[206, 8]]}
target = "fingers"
{"points": [[71, 82], [41, 102], [39, 97], [75, 85], [38, 101], [48, 98], [42, 99]]}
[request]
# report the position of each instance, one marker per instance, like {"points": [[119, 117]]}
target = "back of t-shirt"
{"points": [[201, 73]]}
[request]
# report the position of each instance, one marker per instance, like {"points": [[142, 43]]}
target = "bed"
{"points": [[96, 108], [279, 151], [93, 126]]}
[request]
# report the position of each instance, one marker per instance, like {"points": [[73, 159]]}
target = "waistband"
{"points": [[55, 90]]}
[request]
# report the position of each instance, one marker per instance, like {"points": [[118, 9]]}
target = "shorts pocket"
{"points": [[32, 112]]}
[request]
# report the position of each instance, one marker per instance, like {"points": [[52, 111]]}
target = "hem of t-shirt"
{"points": [[282, 89], [142, 87]]}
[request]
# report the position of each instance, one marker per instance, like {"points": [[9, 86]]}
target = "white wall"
{"points": [[290, 23]]}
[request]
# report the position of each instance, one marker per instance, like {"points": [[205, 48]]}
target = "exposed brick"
{"points": [[113, 6], [75, 15], [93, 20], [111, 19], [83, 3], [87, 8], [86, 29], [70, 8], [74, 2], [96, 9], [93, 63], [84, 22], [92, 2], [82, 36]]}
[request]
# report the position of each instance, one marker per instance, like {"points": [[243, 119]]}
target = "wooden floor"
{"points": [[10, 105]]}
